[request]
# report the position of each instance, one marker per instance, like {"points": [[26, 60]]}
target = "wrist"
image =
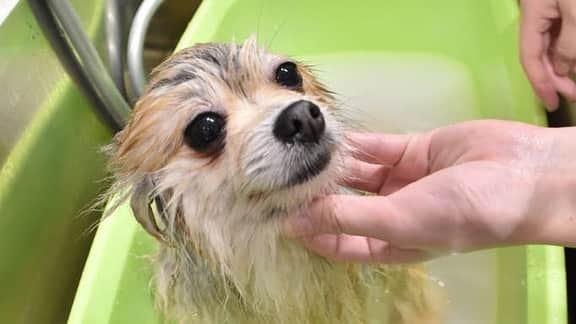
{"points": [[551, 218]]}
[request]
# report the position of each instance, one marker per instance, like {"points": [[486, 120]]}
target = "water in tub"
{"points": [[402, 93]]}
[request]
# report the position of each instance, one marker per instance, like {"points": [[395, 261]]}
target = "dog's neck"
{"points": [[233, 253], [229, 264]]}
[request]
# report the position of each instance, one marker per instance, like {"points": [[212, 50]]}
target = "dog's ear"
{"points": [[141, 204]]}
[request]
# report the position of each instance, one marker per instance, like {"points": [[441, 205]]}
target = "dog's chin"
{"points": [[309, 170], [297, 170]]}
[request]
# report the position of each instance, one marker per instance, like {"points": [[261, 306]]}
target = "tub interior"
{"points": [[399, 93], [397, 66], [411, 92]]}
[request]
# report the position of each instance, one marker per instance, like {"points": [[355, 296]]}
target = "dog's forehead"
{"points": [[215, 55], [209, 62]]}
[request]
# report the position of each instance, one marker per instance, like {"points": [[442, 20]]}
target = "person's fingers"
{"points": [[378, 148], [564, 51], [349, 248], [364, 176], [563, 84], [532, 52], [400, 217], [408, 155], [337, 214], [431, 212], [374, 178]]}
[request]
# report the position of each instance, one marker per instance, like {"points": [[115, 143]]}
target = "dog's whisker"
{"points": [[276, 32]]}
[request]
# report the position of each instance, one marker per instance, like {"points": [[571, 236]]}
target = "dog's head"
{"points": [[221, 122], [228, 139]]}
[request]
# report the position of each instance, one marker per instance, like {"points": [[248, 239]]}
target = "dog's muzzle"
{"points": [[301, 122], [302, 128]]}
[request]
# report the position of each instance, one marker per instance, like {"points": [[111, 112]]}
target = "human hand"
{"points": [[548, 48], [470, 186]]}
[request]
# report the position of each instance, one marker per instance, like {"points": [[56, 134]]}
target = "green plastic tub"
{"points": [[51, 169], [399, 66]]}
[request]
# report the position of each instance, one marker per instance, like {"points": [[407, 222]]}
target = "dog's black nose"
{"points": [[302, 122]]}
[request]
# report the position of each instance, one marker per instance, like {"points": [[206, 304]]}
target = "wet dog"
{"points": [[225, 143]]}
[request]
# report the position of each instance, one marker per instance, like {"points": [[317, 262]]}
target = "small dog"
{"points": [[227, 141]]}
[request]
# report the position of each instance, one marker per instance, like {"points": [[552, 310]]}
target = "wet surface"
{"points": [[563, 117]]}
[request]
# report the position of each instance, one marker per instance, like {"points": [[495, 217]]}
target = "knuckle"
{"points": [[330, 217], [564, 52], [337, 224], [568, 9]]}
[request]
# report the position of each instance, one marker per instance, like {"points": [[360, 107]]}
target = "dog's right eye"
{"points": [[205, 133]]}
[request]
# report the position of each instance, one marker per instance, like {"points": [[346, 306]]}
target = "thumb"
{"points": [[338, 214], [428, 213], [411, 217]]}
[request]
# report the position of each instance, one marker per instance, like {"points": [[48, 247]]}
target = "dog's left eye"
{"points": [[287, 75], [205, 133]]}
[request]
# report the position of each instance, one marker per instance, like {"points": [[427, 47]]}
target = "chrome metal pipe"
{"points": [[94, 70], [136, 73], [115, 43]]}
